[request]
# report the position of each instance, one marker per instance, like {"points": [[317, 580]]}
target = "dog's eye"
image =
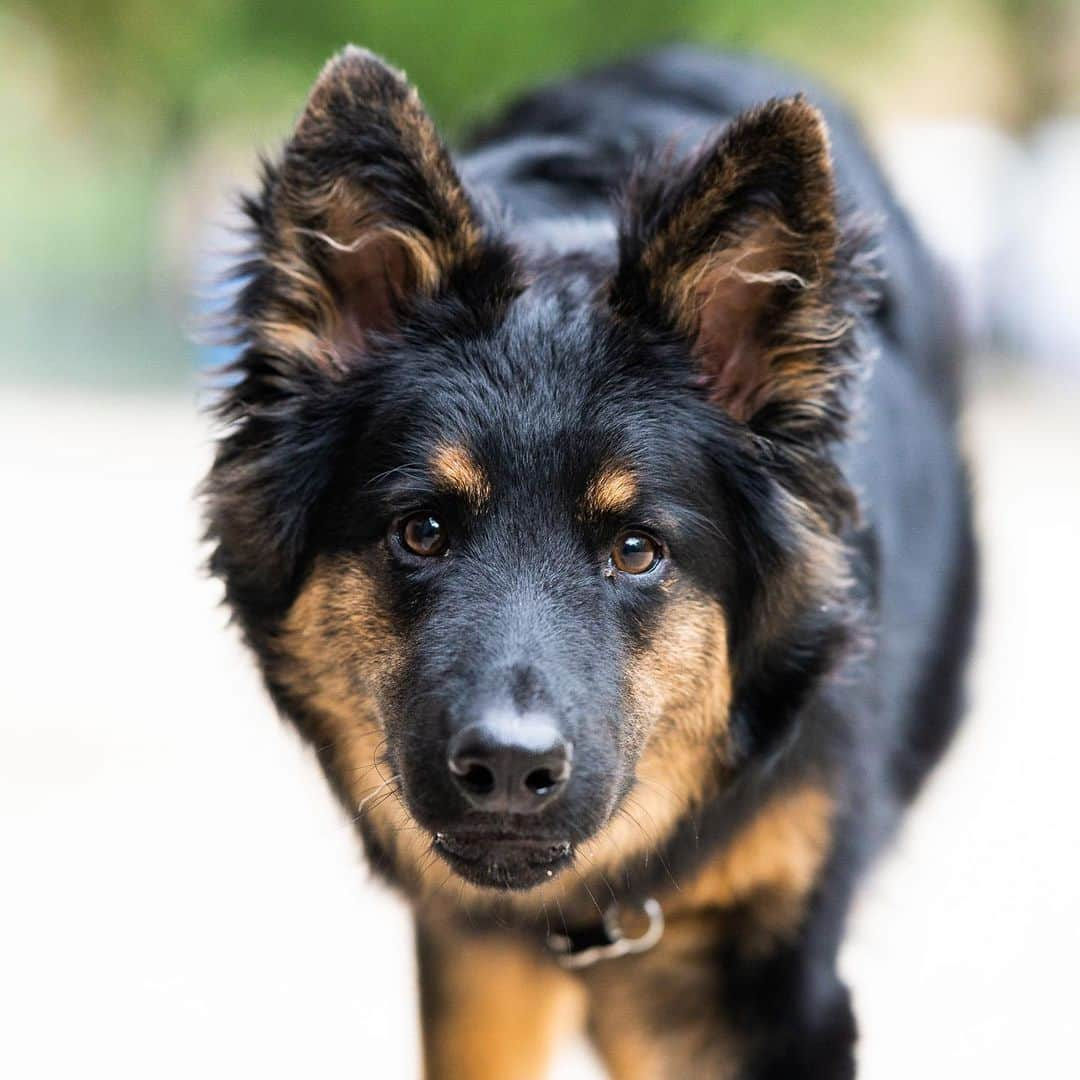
{"points": [[424, 534], [635, 553]]}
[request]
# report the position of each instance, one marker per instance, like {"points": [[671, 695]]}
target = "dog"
{"points": [[593, 505]]}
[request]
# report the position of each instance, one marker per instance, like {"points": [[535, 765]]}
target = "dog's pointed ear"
{"points": [[361, 219], [364, 212], [737, 249]]}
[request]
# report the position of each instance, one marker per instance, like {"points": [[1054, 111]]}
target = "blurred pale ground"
{"points": [[182, 898], [179, 896]]}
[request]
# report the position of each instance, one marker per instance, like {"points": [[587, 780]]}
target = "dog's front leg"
{"points": [[701, 1004], [796, 1016], [491, 1006]]}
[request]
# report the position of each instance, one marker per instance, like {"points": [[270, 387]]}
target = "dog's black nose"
{"points": [[510, 764]]}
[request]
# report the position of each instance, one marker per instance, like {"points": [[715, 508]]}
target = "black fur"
{"points": [[547, 348]]}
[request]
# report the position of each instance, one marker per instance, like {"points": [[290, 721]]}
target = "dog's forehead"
{"points": [[556, 402], [542, 390]]}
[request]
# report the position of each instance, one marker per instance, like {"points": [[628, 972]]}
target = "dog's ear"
{"points": [[737, 249], [364, 213], [362, 219]]}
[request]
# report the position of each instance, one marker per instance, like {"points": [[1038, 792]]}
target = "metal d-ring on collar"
{"points": [[572, 954]]}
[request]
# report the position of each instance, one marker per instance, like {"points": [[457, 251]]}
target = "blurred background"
{"points": [[179, 893]]}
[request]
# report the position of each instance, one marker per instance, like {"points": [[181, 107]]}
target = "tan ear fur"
{"points": [[365, 211], [740, 252]]}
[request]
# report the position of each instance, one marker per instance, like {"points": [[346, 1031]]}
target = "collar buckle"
{"points": [[579, 949]]}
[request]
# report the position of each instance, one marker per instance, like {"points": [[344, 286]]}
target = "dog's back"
{"points": [[567, 148]]}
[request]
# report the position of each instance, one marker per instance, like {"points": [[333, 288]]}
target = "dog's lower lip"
{"points": [[497, 836], [460, 843], [513, 862]]}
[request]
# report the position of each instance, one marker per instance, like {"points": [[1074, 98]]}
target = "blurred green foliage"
{"points": [[117, 112], [185, 64]]}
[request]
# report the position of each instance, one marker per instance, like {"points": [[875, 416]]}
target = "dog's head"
{"points": [[528, 543]]}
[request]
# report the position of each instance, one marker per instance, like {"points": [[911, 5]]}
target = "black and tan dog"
{"points": [[592, 503]]}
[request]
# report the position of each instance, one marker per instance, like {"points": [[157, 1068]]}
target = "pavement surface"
{"points": [[180, 896]]}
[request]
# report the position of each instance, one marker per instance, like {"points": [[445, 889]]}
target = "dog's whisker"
{"points": [[562, 916], [585, 886], [656, 843], [679, 800], [367, 798], [624, 811], [594, 867]]}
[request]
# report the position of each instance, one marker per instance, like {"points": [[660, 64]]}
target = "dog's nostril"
{"points": [[478, 779], [509, 765], [541, 781]]}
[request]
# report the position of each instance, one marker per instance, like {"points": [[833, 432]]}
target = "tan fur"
{"points": [[456, 468], [370, 257], [355, 74], [365, 253], [302, 315], [822, 571], [804, 134], [415, 125], [628, 1049], [771, 865], [679, 693], [611, 491], [719, 294], [497, 1010], [652, 1016], [294, 340], [338, 645], [720, 301], [656, 1016], [503, 1007]]}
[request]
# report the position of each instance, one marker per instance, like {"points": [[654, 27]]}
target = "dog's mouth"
{"points": [[503, 860]]}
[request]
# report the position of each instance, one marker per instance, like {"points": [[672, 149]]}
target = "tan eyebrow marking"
{"points": [[612, 490], [454, 466]]}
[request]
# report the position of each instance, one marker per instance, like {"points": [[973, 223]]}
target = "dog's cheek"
{"points": [[340, 656], [340, 633], [678, 696], [680, 687]]}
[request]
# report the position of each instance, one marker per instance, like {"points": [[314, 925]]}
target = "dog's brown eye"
{"points": [[423, 534], [635, 553]]}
